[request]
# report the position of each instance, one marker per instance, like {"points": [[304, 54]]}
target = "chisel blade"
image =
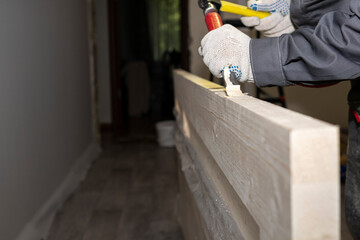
{"points": [[232, 87]]}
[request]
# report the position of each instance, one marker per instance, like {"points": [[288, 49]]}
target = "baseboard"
{"points": [[40, 224]]}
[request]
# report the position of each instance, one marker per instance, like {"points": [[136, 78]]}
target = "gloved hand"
{"points": [[227, 46], [277, 23]]}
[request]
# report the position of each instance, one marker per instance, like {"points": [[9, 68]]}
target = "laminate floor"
{"points": [[129, 194]]}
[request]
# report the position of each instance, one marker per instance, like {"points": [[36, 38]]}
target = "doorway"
{"points": [[147, 39]]}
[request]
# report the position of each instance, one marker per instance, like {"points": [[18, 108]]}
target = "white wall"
{"points": [[103, 60], [328, 104], [45, 112]]}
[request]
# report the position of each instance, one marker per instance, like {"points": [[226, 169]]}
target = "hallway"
{"points": [[129, 193]]}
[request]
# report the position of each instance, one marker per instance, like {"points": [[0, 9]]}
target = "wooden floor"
{"points": [[130, 193]]}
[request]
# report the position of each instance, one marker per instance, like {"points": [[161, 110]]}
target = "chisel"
{"points": [[213, 21]]}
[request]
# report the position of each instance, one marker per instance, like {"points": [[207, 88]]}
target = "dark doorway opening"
{"points": [[148, 39]]}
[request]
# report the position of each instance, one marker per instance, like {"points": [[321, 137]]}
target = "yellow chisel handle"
{"points": [[241, 10]]}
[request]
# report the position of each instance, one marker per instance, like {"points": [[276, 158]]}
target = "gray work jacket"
{"points": [[325, 47]]}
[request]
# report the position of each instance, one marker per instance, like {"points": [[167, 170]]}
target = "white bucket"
{"points": [[166, 133]]}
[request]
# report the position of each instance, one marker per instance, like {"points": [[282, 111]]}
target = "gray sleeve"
{"points": [[328, 52]]}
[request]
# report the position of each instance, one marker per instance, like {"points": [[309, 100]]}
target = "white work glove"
{"points": [[277, 23], [227, 46]]}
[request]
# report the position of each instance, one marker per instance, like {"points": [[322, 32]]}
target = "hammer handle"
{"points": [[213, 21]]}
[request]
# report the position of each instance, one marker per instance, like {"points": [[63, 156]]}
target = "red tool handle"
{"points": [[213, 21]]}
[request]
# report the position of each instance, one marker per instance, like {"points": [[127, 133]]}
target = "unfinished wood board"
{"points": [[211, 207], [281, 165], [193, 226], [232, 214]]}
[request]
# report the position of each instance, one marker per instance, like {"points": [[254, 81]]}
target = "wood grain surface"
{"points": [[280, 166]]}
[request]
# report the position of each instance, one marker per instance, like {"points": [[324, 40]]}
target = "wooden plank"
{"points": [[190, 219], [211, 207], [216, 183], [282, 165]]}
